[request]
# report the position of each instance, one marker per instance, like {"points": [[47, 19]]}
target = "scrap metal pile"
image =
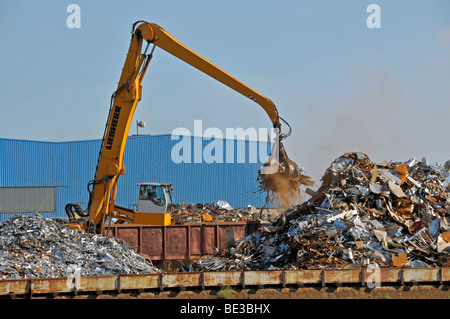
{"points": [[393, 214], [37, 247], [219, 211]]}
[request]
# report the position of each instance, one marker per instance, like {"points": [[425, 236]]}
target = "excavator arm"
{"points": [[161, 38], [125, 99]]}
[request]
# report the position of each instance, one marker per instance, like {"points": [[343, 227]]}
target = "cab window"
{"points": [[153, 193]]}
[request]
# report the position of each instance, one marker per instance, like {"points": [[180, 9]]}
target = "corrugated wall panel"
{"points": [[69, 166], [148, 159], [26, 199]]}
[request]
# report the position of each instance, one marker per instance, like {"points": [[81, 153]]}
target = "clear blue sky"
{"points": [[342, 86]]}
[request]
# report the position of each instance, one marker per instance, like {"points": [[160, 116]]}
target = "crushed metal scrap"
{"points": [[219, 211], [392, 214], [38, 247]]}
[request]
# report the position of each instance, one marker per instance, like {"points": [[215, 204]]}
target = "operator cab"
{"points": [[155, 198]]}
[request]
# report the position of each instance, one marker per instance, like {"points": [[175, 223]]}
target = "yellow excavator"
{"points": [[102, 190]]}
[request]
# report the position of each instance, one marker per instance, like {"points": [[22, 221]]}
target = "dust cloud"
{"points": [[372, 113], [372, 116], [284, 190]]}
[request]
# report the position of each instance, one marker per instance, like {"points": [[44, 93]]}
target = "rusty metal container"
{"points": [[178, 242]]}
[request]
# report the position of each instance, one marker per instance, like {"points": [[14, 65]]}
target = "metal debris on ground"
{"points": [[392, 214], [219, 211], [38, 247]]}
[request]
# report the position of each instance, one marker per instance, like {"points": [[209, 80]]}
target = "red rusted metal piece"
{"points": [[120, 283]]}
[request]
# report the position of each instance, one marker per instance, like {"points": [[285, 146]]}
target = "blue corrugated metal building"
{"points": [[69, 166]]}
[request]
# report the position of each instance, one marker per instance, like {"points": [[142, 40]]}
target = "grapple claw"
{"points": [[281, 177]]}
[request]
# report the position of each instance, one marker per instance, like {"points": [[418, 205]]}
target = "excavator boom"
{"points": [[124, 100], [161, 38]]}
